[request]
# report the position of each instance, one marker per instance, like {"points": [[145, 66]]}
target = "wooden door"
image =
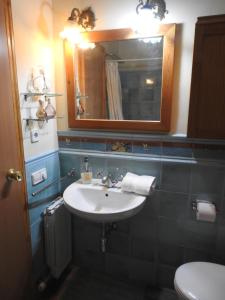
{"points": [[207, 101], [15, 252]]}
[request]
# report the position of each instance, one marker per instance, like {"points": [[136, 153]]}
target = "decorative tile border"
{"points": [[138, 137], [177, 149], [174, 148], [150, 148], [93, 144], [118, 146]]}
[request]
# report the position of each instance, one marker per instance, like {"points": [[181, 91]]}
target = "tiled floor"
{"points": [[91, 286]]}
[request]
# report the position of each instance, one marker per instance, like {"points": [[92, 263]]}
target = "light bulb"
{"points": [[72, 33], [146, 23]]}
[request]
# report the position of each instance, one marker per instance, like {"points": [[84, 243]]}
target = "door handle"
{"points": [[12, 174]]}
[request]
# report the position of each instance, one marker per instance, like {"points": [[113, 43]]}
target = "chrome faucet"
{"points": [[107, 181]]}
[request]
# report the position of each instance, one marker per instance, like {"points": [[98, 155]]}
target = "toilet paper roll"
{"points": [[206, 211]]}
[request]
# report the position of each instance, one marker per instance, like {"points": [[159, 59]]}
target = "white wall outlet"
{"points": [[39, 176], [34, 135]]}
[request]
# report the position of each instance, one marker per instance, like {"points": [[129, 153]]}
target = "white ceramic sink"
{"points": [[100, 204]]}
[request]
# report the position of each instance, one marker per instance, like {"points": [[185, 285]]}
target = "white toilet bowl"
{"points": [[200, 281]]}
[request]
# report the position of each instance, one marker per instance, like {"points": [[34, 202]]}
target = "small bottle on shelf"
{"points": [[86, 172], [41, 113]]}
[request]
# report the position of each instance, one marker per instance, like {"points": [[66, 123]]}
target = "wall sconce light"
{"points": [[78, 22], [150, 13], [84, 18], [157, 7]]}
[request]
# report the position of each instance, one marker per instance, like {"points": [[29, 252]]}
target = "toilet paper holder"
{"points": [[195, 204]]}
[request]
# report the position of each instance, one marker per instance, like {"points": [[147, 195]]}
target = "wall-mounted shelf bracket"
{"points": [[46, 95], [28, 120]]}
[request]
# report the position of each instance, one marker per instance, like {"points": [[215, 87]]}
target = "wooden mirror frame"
{"points": [[168, 31]]}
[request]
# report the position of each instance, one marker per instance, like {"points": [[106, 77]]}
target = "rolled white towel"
{"points": [[142, 185], [128, 182]]}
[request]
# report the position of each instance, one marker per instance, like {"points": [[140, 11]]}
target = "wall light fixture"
{"points": [[156, 7], [149, 15], [78, 22], [84, 18]]}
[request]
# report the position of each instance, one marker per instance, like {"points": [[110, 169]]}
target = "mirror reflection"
{"points": [[120, 80]]}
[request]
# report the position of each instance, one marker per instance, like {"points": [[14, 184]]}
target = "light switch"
{"points": [[39, 176]]}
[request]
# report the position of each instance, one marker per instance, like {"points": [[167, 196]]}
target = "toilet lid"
{"points": [[201, 281]]}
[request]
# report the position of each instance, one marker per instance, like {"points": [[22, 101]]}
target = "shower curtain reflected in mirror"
{"points": [[114, 90]]}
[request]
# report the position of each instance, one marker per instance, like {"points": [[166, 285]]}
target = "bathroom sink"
{"points": [[101, 204]]}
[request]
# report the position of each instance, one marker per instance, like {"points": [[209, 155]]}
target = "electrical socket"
{"points": [[34, 135], [39, 176]]}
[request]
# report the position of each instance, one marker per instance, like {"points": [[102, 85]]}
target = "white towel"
{"points": [[142, 185]]}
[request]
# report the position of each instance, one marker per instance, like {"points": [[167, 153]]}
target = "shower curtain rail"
{"points": [[137, 59]]}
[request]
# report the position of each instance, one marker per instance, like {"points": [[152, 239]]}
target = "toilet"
{"points": [[200, 281]]}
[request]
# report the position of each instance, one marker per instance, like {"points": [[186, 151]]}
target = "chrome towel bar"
{"points": [[71, 173]]}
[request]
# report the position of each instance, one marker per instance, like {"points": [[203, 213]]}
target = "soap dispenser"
{"points": [[86, 171]]}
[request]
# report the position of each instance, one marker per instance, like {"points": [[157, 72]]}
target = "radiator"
{"points": [[57, 229]]}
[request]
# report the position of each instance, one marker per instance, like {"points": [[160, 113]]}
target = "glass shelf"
{"points": [[28, 120], [46, 95]]}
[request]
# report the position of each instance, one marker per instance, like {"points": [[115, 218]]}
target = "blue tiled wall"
{"points": [[141, 101], [38, 203], [150, 246]]}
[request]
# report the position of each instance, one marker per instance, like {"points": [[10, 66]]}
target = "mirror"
{"points": [[124, 83], [120, 80]]}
